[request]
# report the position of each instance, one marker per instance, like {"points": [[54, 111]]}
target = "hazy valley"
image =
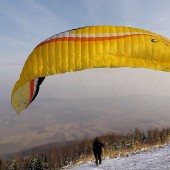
{"points": [[78, 118]]}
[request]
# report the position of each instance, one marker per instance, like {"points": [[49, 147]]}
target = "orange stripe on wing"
{"points": [[83, 39], [31, 90]]}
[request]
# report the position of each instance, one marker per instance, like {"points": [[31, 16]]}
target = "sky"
{"points": [[24, 24]]}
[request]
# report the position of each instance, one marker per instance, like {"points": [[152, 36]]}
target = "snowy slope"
{"points": [[157, 159]]}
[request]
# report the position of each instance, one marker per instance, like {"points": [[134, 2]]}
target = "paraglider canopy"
{"points": [[89, 47]]}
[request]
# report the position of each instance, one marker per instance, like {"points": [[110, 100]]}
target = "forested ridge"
{"points": [[58, 155]]}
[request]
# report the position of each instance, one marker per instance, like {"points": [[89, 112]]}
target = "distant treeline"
{"points": [[71, 153]]}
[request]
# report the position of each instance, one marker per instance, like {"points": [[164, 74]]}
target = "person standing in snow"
{"points": [[97, 150]]}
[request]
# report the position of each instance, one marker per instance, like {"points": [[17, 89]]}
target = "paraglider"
{"points": [[89, 47]]}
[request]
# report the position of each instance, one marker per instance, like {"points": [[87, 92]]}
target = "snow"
{"points": [[156, 159]]}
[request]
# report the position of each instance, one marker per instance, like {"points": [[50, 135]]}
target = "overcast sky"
{"points": [[24, 24]]}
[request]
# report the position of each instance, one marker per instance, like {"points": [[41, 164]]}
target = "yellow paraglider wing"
{"points": [[89, 47]]}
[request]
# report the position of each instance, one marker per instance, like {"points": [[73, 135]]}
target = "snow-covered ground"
{"points": [[156, 159]]}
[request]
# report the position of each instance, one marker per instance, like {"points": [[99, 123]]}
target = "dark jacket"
{"points": [[97, 146]]}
